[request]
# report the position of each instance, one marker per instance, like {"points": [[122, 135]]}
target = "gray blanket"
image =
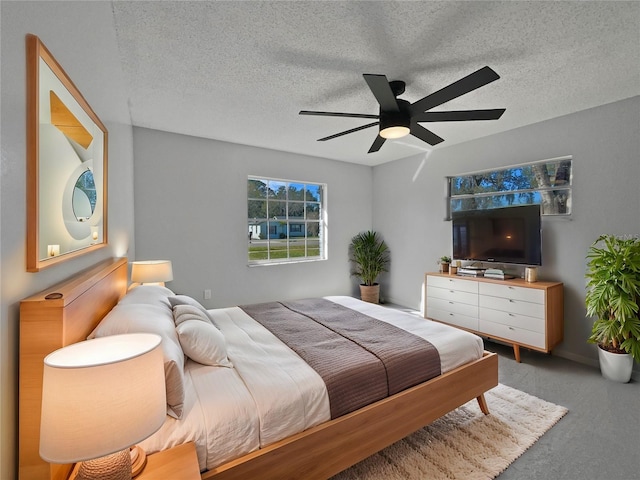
{"points": [[361, 359]]}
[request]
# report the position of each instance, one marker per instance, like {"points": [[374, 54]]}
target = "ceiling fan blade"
{"points": [[459, 115], [377, 143], [425, 135], [338, 114], [348, 131], [381, 89], [477, 79]]}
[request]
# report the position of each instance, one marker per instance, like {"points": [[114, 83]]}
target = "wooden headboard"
{"points": [[61, 315]]}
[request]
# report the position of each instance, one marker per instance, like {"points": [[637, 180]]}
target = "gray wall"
{"points": [[80, 47], [191, 208], [410, 199]]}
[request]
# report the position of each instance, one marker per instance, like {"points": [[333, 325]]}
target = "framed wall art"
{"points": [[66, 165]]}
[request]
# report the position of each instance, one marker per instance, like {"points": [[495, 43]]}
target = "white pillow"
{"points": [[203, 343], [148, 294], [158, 319], [182, 313], [187, 300]]}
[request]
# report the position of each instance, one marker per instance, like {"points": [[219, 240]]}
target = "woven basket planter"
{"points": [[370, 293]]}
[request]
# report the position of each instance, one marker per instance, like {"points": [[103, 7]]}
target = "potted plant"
{"points": [[444, 263], [613, 295], [369, 255]]}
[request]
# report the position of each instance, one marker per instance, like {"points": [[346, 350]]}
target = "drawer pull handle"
{"points": [[511, 328], [511, 300], [512, 288], [511, 315], [450, 303], [451, 314]]}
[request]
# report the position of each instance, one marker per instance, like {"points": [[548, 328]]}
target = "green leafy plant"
{"points": [[613, 294], [444, 259], [369, 255]]}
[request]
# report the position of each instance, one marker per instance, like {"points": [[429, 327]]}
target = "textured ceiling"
{"points": [[241, 71]]}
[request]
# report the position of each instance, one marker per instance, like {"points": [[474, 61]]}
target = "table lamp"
{"points": [[100, 397], [154, 272]]}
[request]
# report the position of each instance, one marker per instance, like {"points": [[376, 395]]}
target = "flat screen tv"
{"points": [[502, 235]]}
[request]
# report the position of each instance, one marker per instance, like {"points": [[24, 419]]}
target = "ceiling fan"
{"points": [[398, 117]]}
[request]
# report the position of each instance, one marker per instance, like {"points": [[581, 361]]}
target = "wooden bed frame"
{"points": [[317, 453]]}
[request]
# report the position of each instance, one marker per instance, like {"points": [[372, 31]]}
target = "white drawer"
{"points": [[452, 306], [513, 306], [453, 295], [533, 295], [513, 319], [456, 319], [514, 334], [452, 283]]}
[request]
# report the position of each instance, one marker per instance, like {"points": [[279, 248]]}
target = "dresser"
{"points": [[523, 314]]}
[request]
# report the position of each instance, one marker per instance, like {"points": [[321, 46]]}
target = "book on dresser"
{"points": [[471, 272], [522, 314], [497, 273]]}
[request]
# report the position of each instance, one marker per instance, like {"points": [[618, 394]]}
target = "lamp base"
{"points": [[136, 284], [116, 466], [138, 460]]}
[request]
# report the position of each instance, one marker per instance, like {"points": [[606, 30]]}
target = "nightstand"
{"points": [[177, 463]]}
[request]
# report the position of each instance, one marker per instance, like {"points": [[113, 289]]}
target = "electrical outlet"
{"points": [[207, 294]]}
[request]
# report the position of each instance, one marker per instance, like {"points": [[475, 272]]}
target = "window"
{"points": [[286, 221], [547, 183]]}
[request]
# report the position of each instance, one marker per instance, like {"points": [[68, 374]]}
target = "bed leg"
{"points": [[483, 404]]}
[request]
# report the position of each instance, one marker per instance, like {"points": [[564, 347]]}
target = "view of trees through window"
{"points": [[84, 196], [547, 183], [285, 220]]}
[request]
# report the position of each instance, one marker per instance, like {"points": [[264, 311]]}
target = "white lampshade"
{"points": [[101, 396], [152, 271]]}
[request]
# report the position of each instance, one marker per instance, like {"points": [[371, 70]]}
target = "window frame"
{"points": [[568, 187], [304, 223]]}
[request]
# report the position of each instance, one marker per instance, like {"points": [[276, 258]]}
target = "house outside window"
{"points": [[547, 183], [285, 220]]}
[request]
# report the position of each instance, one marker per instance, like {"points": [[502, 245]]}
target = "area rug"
{"points": [[465, 444]]}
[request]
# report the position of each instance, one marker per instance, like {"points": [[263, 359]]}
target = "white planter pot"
{"points": [[615, 366]]}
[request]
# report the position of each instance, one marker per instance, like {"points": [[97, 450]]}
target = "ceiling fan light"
{"points": [[395, 125], [397, 131]]}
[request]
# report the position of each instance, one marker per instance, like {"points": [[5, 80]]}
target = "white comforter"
{"points": [[271, 393]]}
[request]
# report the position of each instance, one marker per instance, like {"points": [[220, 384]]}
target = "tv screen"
{"points": [[503, 235]]}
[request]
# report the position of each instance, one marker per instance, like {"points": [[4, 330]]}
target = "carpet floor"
{"points": [[464, 444]]}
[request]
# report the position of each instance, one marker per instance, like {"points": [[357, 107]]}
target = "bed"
{"points": [[270, 442]]}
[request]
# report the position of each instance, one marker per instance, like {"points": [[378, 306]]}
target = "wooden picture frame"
{"points": [[66, 165]]}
